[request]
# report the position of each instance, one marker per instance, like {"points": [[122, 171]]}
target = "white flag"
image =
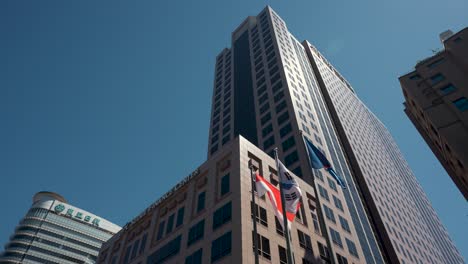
{"points": [[291, 191]]}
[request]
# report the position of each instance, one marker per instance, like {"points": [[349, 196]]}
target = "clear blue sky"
{"points": [[108, 102]]}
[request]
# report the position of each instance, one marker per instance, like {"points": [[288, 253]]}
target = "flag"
{"points": [[263, 186], [319, 161], [291, 191]]}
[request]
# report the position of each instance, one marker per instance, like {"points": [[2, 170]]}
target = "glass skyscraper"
{"points": [[274, 90], [54, 231]]}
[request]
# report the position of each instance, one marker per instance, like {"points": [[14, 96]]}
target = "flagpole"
{"points": [[322, 222], [254, 209], [285, 219]]}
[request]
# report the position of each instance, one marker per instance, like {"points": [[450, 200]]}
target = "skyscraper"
{"points": [[273, 90], [54, 231], [436, 101]]}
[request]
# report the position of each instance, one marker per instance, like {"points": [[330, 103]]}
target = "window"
{"points": [[285, 130], [226, 120], [195, 258], [143, 243], [461, 104], [304, 241], [336, 238], [332, 184], [135, 249], [201, 201], [318, 174], [435, 63], [160, 230], [264, 108], [260, 213], [291, 158], [329, 213], [282, 255], [415, 77], [323, 192], [265, 119], [283, 117], [338, 203], [267, 130], [127, 254], [222, 215], [352, 248], [279, 227], [448, 89], [316, 223], [324, 253], [180, 217], [278, 96], [221, 247], [269, 142], [214, 139], [196, 232], [288, 143], [437, 78], [277, 87], [225, 184], [226, 139], [263, 245], [344, 224], [172, 248], [341, 259], [170, 224], [281, 106], [305, 128], [297, 171]]}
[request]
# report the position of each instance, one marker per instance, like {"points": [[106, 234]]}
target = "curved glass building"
{"points": [[54, 231]]}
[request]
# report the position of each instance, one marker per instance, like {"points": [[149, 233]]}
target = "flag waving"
{"points": [[319, 161], [291, 191], [263, 186]]}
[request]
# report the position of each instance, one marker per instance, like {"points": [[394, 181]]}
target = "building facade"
{"points": [[274, 90], [436, 101], [207, 218], [54, 231]]}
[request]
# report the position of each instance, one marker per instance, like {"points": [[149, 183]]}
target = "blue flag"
{"points": [[319, 161]]}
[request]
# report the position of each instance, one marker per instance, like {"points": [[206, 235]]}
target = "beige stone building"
{"points": [[436, 101], [207, 218]]}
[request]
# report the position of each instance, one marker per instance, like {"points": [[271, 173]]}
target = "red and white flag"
{"points": [[263, 186]]}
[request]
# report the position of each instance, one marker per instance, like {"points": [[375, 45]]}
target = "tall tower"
{"points": [[54, 231], [274, 90], [436, 101], [402, 215]]}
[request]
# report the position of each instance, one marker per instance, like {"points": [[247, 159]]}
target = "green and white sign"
{"points": [[73, 213]]}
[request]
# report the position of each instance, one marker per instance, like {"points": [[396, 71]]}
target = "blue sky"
{"points": [[108, 102]]}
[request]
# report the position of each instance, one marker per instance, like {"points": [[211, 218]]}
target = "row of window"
{"points": [[220, 246], [135, 249]]}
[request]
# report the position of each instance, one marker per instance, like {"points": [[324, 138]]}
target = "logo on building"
{"points": [[70, 212], [59, 208]]}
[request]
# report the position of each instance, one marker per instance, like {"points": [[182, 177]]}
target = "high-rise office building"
{"points": [[54, 231], [274, 90], [208, 218], [436, 101]]}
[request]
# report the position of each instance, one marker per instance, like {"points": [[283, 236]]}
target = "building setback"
{"points": [[54, 231], [207, 218], [436, 101], [274, 90]]}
